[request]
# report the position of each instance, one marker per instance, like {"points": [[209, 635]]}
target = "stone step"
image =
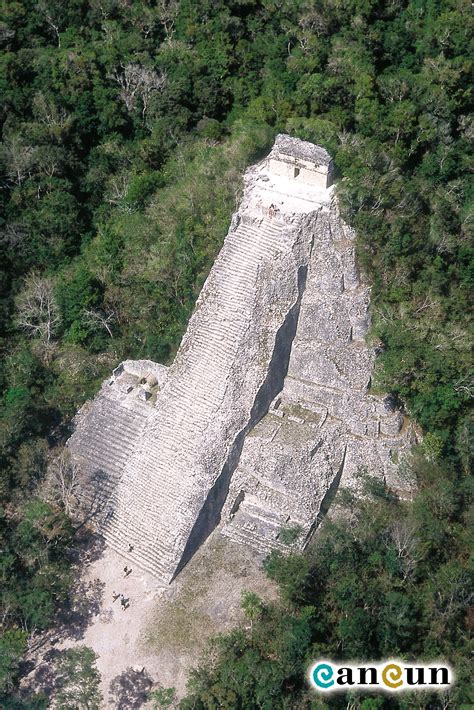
{"points": [[237, 270], [130, 520], [239, 254], [244, 267], [207, 367], [221, 328], [205, 364], [265, 515], [100, 493], [236, 266], [247, 258], [168, 484], [113, 429], [258, 228], [247, 539], [201, 403], [169, 438], [159, 565], [185, 425], [249, 251], [199, 376], [102, 471], [238, 285], [135, 518], [163, 463], [118, 448], [265, 244], [256, 527], [208, 343], [129, 530], [233, 294]]}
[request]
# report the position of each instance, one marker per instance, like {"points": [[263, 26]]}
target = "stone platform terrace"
{"points": [[265, 409]]}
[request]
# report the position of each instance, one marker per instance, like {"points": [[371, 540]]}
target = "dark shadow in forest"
{"points": [[43, 679], [83, 603], [130, 689], [88, 548]]}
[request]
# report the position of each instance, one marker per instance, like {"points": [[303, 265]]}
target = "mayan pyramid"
{"points": [[266, 408]]}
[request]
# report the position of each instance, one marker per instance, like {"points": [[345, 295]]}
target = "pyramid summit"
{"points": [[266, 408]]}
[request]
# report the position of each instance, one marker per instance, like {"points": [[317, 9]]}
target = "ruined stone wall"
{"points": [[308, 175], [324, 429]]}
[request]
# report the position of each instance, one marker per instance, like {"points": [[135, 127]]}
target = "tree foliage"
{"points": [[386, 579], [77, 680], [125, 131]]}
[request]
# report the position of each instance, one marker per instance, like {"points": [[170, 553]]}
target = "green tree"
{"points": [[77, 680], [12, 647]]}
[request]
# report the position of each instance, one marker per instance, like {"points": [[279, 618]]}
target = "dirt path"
{"points": [[159, 637]]}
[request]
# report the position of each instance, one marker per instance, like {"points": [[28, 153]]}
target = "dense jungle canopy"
{"points": [[126, 126]]}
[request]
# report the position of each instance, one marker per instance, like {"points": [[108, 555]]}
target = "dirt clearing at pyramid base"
{"points": [[146, 635]]}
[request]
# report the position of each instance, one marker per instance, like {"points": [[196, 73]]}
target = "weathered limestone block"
{"points": [[107, 432], [326, 312], [391, 425], [327, 277], [297, 160], [350, 272], [358, 305]]}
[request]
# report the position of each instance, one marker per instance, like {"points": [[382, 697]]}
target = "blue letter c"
{"points": [[322, 676]]}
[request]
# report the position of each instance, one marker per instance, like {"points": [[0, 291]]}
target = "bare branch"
{"points": [[403, 536], [64, 481], [138, 82], [19, 159], [37, 309], [102, 320], [168, 12]]}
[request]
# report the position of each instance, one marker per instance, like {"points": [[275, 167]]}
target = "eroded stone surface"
{"points": [[324, 428], [265, 408]]}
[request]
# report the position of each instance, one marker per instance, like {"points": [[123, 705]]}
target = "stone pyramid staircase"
{"points": [[104, 443], [283, 313], [163, 475]]}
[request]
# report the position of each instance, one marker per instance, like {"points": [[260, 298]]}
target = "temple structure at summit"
{"points": [[266, 408]]}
